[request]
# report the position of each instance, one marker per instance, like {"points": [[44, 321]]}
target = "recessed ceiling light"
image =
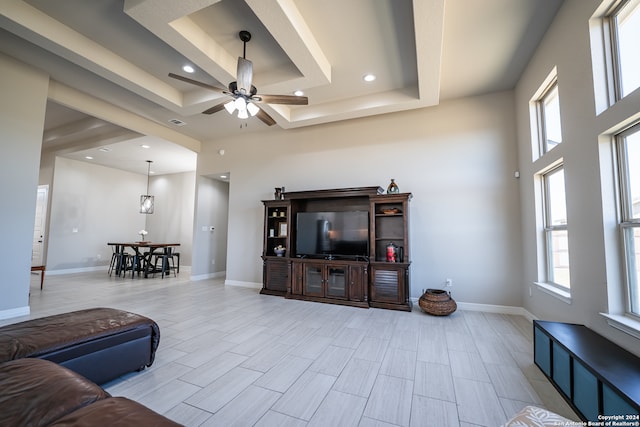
{"points": [[88, 157], [368, 77], [223, 176], [145, 146], [188, 69], [298, 93], [104, 149]]}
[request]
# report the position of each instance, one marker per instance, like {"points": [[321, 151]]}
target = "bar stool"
{"points": [[166, 258], [176, 255], [118, 260]]}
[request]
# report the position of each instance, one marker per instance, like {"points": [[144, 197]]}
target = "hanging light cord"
{"points": [[148, 172]]}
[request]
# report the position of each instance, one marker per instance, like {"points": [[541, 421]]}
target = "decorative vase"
{"points": [[277, 193], [279, 252], [437, 302], [393, 187]]}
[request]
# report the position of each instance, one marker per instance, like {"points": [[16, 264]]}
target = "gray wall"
{"points": [[212, 201], [593, 246], [458, 160], [21, 127]]}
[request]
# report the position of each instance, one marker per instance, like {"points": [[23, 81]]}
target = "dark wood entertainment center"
{"points": [[367, 280]]}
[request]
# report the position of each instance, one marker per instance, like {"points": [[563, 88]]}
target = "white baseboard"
{"points": [[239, 283], [216, 275], [15, 312], [104, 268], [491, 308]]}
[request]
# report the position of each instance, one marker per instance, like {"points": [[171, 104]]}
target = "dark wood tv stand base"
{"points": [[365, 282]]}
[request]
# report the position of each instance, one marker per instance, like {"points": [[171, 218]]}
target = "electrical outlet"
{"points": [[448, 283]]}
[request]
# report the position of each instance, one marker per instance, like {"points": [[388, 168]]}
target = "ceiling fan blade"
{"points": [[284, 99], [245, 75], [215, 108], [197, 83], [266, 119]]}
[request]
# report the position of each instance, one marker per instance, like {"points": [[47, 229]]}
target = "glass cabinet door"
{"points": [[313, 280], [336, 282]]}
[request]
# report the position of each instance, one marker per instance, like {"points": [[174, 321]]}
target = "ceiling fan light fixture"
{"points": [[240, 103], [242, 114], [252, 108], [230, 106], [244, 93]]}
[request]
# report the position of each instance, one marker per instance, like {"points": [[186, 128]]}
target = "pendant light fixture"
{"points": [[146, 200]]}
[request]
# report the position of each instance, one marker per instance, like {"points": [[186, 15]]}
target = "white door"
{"points": [[40, 222]]}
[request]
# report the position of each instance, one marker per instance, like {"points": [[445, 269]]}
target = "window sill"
{"points": [[623, 323], [560, 294]]}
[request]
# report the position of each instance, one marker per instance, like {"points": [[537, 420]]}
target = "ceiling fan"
{"points": [[243, 93]]}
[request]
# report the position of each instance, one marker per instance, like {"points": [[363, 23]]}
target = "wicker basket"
{"points": [[437, 302]]}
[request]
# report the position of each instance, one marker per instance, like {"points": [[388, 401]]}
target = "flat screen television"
{"points": [[332, 234]]}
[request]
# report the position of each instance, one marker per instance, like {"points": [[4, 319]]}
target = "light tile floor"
{"points": [[229, 356]]}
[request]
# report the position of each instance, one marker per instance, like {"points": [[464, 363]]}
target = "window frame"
{"points": [[543, 140], [611, 20], [549, 229], [627, 223]]}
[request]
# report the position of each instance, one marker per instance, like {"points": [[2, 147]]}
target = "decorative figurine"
{"points": [[393, 187]]}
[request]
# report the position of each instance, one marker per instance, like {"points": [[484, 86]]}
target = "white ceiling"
{"points": [[423, 52]]}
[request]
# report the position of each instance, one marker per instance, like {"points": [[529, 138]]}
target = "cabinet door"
{"points": [[313, 280], [357, 283], [542, 351], [276, 275], [297, 279], [561, 369], [336, 281], [387, 284], [585, 391], [614, 404]]}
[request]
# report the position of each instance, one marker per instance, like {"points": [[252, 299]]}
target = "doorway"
{"points": [[39, 228]]}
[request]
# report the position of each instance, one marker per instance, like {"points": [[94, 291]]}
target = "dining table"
{"points": [[145, 256]]}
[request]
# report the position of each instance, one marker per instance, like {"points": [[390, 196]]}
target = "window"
{"points": [[550, 131], [628, 145], [625, 38], [556, 234]]}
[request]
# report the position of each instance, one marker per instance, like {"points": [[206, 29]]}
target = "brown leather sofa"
{"points": [[36, 392], [98, 343]]}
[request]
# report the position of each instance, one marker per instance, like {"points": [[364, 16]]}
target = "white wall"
{"points": [[457, 159], [566, 46], [22, 109], [92, 205], [172, 220]]}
